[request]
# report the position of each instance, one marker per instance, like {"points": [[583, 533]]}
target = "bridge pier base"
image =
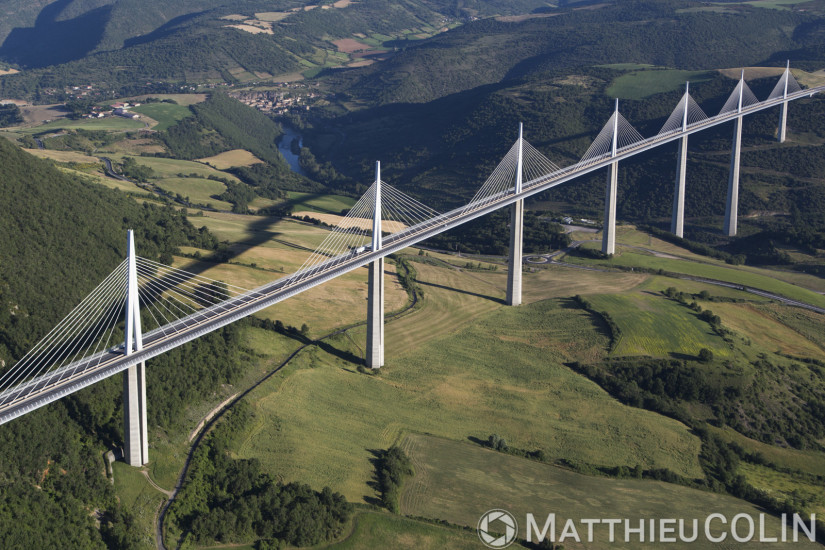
{"points": [[609, 232], [677, 223], [516, 253], [136, 438], [375, 315], [783, 122], [732, 203]]}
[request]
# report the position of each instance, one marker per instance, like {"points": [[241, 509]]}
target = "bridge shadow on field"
{"points": [[462, 291]]}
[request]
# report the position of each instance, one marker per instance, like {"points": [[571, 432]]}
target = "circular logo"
{"points": [[497, 521]]}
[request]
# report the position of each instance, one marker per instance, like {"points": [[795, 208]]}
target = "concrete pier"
{"points": [[375, 283], [677, 222], [609, 232], [514, 271], [732, 203]]}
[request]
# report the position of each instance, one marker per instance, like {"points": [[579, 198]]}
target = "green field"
{"points": [[325, 204], [169, 168], [456, 385], [655, 325], [785, 486], [167, 114], [641, 84], [108, 123], [459, 481], [198, 190], [382, 530]]}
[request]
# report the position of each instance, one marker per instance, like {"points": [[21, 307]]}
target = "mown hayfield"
{"points": [[645, 83], [460, 481], [501, 373], [198, 190], [655, 325], [328, 204], [734, 275], [166, 114], [231, 159], [383, 530]]}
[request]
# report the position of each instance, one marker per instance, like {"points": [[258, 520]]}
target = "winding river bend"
{"points": [[285, 147]]}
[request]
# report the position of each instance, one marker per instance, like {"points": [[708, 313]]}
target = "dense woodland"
{"points": [[64, 237]]}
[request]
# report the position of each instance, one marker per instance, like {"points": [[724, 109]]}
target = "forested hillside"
{"points": [[61, 236]]}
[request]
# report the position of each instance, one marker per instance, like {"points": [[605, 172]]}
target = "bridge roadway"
{"points": [[47, 388]]}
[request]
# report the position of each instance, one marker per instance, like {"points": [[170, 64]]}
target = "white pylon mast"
{"points": [[519, 163], [376, 216], [134, 336], [615, 129], [687, 104]]}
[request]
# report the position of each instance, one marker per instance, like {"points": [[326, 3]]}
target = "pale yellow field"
{"points": [[231, 159], [271, 15], [8, 71], [252, 29], [63, 156]]}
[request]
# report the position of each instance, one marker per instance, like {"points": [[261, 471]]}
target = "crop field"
{"points": [[655, 325], [383, 530], [325, 204], [454, 385], [199, 190], [644, 83], [459, 481], [729, 274], [166, 114], [806, 323], [231, 159]]}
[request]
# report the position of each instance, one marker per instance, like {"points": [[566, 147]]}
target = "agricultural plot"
{"points": [[114, 123], [459, 481], [654, 325], [170, 168], [645, 83], [166, 114], [198, 190], [325, 204], [231, 159]]}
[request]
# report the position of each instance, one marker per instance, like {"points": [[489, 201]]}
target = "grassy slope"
{"points": [[454, 385], [458, 481], [382, 530], [645, 83]]}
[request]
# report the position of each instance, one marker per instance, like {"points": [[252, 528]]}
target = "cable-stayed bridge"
{"points": [[164, 307]]}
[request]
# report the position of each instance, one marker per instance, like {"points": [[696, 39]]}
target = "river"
{"points": [[285, 147]]}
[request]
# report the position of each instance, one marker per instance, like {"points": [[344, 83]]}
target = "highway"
{"points": [[47, 388]]}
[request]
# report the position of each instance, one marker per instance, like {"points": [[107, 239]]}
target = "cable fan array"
{"points": [[677, 117], [171, 299], [626, 135], [501, 181], [732, 104], [91, 328], [400, 214]]}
